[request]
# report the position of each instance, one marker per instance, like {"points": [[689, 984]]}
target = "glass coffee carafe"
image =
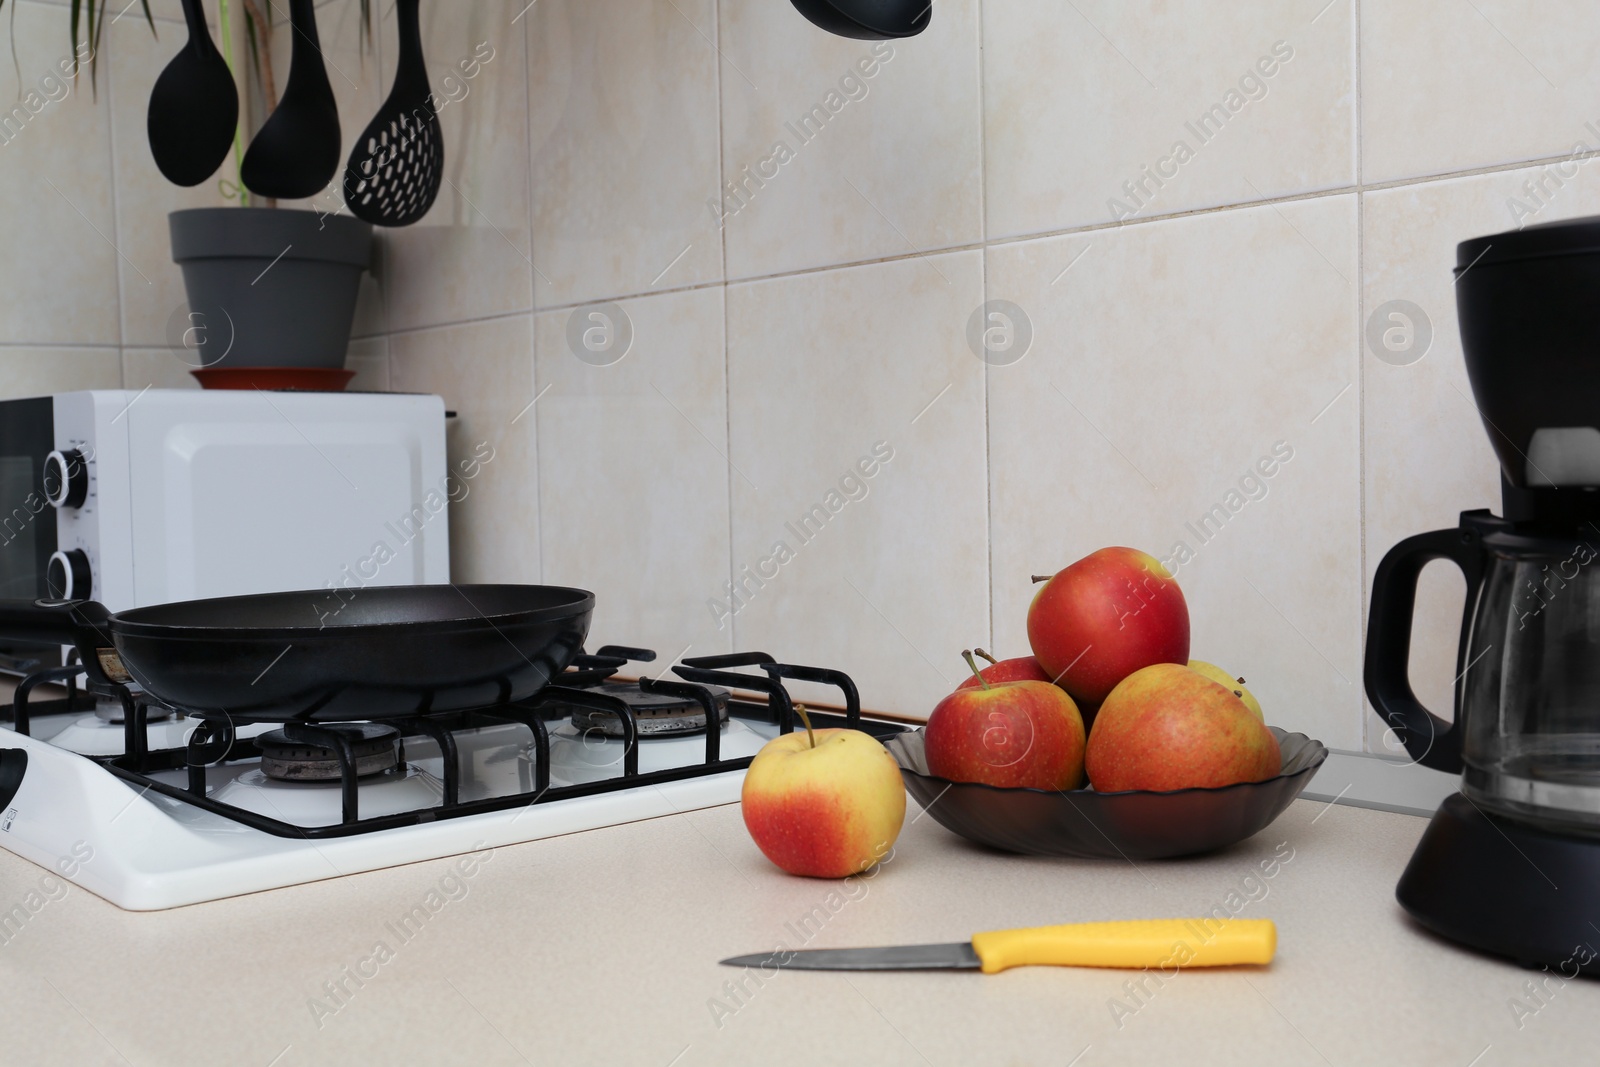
{"points": [[1510, 864], [1526, 735]]}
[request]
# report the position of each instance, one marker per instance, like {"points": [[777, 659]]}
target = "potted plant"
{"points": [[271, 291]]}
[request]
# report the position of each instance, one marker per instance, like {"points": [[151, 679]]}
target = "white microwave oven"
{"points": [[137, 498]]}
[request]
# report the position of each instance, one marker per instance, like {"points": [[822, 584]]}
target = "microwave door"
{"points": [[27, 521], [27, 529]]}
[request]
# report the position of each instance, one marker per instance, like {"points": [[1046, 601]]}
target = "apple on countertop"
{"points": [[823, 803]]}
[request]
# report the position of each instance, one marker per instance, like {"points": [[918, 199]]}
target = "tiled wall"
{"points": [[1198, 208]]}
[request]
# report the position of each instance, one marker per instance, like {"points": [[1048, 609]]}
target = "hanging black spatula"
{"points": [[194, 107], [296, 153], [398, 161]]}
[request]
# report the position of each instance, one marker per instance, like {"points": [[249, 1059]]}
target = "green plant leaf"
{"points": [[73, 44]]}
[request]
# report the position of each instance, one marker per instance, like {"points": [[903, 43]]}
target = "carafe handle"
{"points": [[1432, 741]]}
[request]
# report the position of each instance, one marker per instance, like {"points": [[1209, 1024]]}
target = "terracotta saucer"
{"points": [[303, 379]]}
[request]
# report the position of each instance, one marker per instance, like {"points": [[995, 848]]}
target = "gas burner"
{"points": [[657, 714], [579, 756], [286, 760], [316, 803], [93, 735], [109, 709]]}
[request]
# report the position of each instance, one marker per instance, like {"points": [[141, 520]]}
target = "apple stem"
{"points": [[811, 735], [966, 654], [985, 655], [1037, 578]]}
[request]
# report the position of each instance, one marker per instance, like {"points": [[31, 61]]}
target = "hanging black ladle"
{"points": [[194, 107], [295, 154], [868, 20]]}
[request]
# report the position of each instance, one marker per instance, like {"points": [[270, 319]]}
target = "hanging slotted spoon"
{"points": [[194, 107], [296, 152], [398, 161]]}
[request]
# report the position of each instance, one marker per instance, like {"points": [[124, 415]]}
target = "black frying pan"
{"points": [[373, 653]]}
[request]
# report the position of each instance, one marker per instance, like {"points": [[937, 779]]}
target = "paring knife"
{"points": [[1168, 944]]}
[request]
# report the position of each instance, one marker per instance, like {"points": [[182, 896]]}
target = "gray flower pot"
{"points": [[267, 287]]}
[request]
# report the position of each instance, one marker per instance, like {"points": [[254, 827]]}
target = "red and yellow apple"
{"points": [[1167, 727], [1100, 619], [823, 803], [1222, 677], [1020, 669], [1009, 734]]}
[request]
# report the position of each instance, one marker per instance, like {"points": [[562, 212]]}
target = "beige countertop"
{"points": [[601, 948]]}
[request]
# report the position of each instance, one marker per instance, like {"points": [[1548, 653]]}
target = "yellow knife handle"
{"points": [[1165, 944]]}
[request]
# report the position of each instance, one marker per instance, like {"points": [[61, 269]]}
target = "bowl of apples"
{"points": [[1109, 741]]}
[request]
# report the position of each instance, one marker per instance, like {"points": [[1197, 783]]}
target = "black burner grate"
{"points": [[215, 740]]}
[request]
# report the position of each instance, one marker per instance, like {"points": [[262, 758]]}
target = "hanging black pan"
{"points": [[321, 656]]}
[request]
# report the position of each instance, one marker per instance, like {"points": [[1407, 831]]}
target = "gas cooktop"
{"points": [[176, 808]]}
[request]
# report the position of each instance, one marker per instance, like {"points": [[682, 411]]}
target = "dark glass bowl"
{"points": [[1134, 825]]}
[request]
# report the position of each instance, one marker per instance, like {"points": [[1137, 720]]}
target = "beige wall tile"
{"points": [[471, 256], [484, 372], [633, 474], [158, 368], [1427, 454], [1448, 86], [40, 371], [59, 273], [893, 169], [891, 585], [624, 142], [1081, 98], [1165, 364], [369, 358]]}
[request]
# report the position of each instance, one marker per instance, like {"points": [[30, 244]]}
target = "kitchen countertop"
{"points": [[601, 947]]}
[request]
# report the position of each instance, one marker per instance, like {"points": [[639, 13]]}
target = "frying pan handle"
{"points": [[83, 623]]}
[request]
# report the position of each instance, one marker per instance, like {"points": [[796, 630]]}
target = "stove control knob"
{"points": [[66, 479], [68, 575]]}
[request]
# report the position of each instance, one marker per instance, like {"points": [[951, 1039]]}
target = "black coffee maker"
{"points": [[1511, 863]]}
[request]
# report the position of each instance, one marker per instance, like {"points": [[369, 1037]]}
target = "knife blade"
{"points": [[1140, 943]]}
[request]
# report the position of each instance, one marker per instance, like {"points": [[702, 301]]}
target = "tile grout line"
{"points": [[1331, 192], [84, 346], [983, 275], [529, 195], [727, 357], [381, 241], [116, 220], [1361, 374], [1321, 194]]}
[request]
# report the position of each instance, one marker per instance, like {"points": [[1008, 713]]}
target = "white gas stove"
{"points": [[206, 808]]}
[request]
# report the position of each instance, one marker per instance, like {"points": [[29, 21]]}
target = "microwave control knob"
{"points": [[68, 575], [66, 479]]}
